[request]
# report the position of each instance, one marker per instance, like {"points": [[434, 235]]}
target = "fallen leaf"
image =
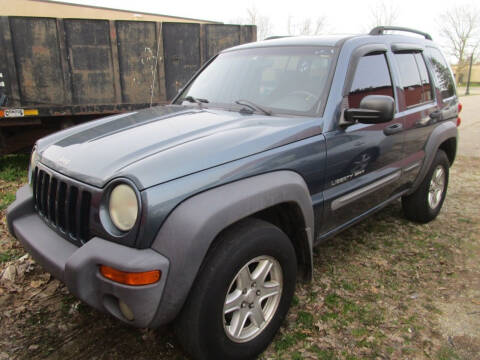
{"points": [[37, 283], [9, 274]]}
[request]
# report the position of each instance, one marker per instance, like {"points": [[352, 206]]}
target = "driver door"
{"points": [[363, 160]]}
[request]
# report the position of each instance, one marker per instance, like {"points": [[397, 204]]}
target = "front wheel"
{"points": [[241, 295], [425, 203]]}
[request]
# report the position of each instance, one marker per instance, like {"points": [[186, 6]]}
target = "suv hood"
{"points": [[159, 144]]}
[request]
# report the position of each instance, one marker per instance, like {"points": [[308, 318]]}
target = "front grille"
{"points": [[62, 205]]}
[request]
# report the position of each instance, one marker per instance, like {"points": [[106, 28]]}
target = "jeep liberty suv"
{"points": [[204, 212]]}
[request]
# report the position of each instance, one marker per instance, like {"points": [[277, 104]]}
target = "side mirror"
{"points": [[374, 109]]}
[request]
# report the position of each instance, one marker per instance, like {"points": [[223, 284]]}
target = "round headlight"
{"points": [[33, 163], [123, 207], [33, 159]]}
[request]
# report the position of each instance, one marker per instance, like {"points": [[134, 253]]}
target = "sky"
{"points": [[342, 16]]}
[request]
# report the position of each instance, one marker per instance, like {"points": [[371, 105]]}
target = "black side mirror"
{"points": [[374, 109]]}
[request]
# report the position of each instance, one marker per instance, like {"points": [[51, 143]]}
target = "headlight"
{"points": [[123, 207], [33, 163]]}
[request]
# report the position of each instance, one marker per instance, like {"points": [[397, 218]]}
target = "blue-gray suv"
{"points": [[204, 212]]}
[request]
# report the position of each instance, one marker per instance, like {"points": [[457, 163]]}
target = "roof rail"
{"points": [[277, 37], [379, 30]]}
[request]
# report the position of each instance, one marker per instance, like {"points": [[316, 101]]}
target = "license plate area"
{"points": [[14, 113]]}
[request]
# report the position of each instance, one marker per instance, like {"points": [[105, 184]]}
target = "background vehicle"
{"points": [[211, 216], [56, 73]]}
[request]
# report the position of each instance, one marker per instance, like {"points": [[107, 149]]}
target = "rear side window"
{"points": [[442, 73], [414, 78], [427, 94], [372, 77]]}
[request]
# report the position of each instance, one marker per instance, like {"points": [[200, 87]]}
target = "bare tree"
{"points": [[307, 26], [264, 26], [383, 14], [461, 29]]}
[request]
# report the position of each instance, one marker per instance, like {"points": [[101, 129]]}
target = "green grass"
{"points": [[471, 85], [305, 319], [14, 167], [323, 354], [6, 199], [297, 355], [8, 255], [288, 340], [447, 353]]}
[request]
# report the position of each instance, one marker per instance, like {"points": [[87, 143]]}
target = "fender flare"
{"points": [[441, 133], [190, 229]]}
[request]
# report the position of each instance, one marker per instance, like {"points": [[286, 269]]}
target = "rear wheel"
{"points": [[425, 203], [241, 294]]}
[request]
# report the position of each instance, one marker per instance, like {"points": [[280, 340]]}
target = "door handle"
{"points": [[393, 129], [436, 115]]}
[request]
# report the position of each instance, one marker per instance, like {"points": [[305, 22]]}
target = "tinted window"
{"points": [[410, 79], [426, 85], [442, 73], [372, 77]]}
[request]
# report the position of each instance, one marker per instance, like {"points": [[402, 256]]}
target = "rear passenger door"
{"points": [[417, 108], [363, 160]]}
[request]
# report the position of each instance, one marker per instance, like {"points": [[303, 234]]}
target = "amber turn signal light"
{"points": [[130, 278]]}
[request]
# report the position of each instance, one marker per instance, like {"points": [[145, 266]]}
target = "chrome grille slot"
{"points": [[84, 215], [51, 199], [63, 205], [62, 193], [71, 215]]}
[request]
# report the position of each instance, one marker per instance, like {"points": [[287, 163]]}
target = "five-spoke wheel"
{"points": [[241, 294], [425, 203], [252, 298]]}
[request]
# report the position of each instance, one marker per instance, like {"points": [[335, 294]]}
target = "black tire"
{"points": [[416, 206], [200, 325]]}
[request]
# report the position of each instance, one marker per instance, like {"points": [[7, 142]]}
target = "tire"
{"points": [[425, 203], [203, 329]]}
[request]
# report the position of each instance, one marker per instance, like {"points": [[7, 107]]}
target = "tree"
{"points": [[383, 14], [264, 26], [461, 28], [306, 26]]}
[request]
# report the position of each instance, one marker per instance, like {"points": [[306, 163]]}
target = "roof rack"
{"points": [[277, 37], [379, 30]]}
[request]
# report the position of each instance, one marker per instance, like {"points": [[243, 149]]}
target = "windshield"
{"points": [[289, 80]]}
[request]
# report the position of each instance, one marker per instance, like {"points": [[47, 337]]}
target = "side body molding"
{"points": [[188, 232], [442, 132]]}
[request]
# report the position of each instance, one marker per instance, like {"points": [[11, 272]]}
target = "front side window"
{"points": [[441, 72], [290, 80], [372, 77]]}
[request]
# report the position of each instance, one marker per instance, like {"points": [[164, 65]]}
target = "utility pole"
{"points": [[467, 91]]}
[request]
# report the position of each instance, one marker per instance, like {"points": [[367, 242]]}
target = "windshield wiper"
{"points": [[253, 106], [195, 100]]}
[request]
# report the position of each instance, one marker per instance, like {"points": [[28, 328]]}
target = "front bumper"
{"points": [[78, 267]]}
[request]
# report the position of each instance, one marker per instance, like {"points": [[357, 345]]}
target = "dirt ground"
{"points": [[469, 144], [384, 289]]}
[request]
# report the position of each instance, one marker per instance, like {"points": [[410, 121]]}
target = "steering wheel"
{"points": [[305, 93]]}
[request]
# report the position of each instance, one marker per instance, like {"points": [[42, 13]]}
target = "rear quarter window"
{"points": [[441, 72]]}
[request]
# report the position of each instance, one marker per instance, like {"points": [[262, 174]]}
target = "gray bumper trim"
{"points": [[78, 267]]}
